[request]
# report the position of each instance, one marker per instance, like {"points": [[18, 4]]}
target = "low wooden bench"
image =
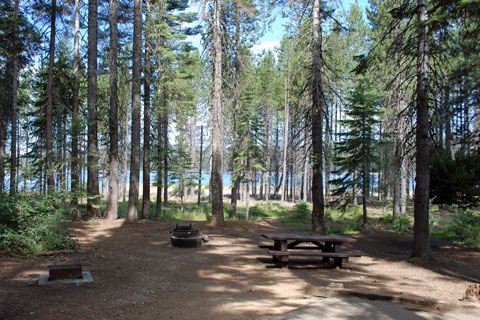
{"points": [[281, 257]]}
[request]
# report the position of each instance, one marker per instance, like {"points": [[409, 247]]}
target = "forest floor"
{"points": [[138, 275]]}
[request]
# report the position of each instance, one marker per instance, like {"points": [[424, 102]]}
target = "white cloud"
{"points": [[266, 45]]}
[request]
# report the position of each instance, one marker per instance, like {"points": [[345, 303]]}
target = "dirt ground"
{"points": [[138, 275]]}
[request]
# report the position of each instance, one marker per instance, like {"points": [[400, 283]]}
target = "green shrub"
{"points": [[467, 228], [400, 222], [348, 229], [455, 180], [34, 224], [300, 214]]}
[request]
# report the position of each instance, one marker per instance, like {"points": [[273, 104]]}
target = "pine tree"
{"points": [[132, 213], [421, 243], [112, 207], [217, 121], [318, 108], [357, 149]]}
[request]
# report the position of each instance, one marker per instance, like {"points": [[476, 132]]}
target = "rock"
{"points": [[205, 238]]}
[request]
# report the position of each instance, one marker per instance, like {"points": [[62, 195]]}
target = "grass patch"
{"points": [[261, 211], [465, 228], [348, 229], [191, 211]]}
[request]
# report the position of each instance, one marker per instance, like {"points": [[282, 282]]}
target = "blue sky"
{"points": [[272, 37]]}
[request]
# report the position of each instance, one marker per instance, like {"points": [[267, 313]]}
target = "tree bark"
{"points": [[236, 110], [132, 214], [421, 246], [318, 218], [14, 102], [75, 174], [92, 158], [200, 167], [165, 147], [158, 98], [217, 122], [193, 154], [125, 157], [146, 125], [112, 205], [285, 132], [49, 111], [158, 208], [104, 160]]}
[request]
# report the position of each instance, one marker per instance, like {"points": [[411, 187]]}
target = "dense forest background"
{"points": [[100, 97]]}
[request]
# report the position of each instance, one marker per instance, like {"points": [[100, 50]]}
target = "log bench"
{"points": [[281, 257]]}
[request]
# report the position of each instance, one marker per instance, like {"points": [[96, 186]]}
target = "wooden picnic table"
{"points": [[326, 246]]}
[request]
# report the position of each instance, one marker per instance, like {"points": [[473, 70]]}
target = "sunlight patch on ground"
{"points": [[101, 229]]}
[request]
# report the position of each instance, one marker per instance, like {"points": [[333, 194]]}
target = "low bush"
{"points": [[300, 214], [31, 224], [398, 223], [467, 228], [464, 228]]}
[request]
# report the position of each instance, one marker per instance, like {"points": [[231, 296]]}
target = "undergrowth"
{"points": [[32, 224], [465, 228]]}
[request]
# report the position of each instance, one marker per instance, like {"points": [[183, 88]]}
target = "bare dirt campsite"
{"points": [[326, 153], [139, 275]]}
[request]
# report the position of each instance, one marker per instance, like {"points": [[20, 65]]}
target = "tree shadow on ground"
{"points": [[138, 275]]}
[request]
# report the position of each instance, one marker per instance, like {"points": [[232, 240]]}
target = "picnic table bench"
{"points": [[326, 246]]}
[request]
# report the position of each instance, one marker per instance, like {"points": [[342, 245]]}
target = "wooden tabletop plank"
{"points": [[301, 237]]}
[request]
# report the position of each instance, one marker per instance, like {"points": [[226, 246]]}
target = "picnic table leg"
{"points": [[283, 261], [328, 247], [338, 262], [280, 245]]}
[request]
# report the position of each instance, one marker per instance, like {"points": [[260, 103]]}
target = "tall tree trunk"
{"points": [[75, 107], [193, 154], [160, 151], [285, 132], [146, 125], [112, 205], [92, 158], [3, 133], [165, 147], [49, 113], [276, 157], [421, 246], [305, 177], [236, 110], [217, 122], [125, 157], [200, 167], [158, 208], [132, 214], [103, 160], [403, 186], [14, 102], [318, 218]]}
